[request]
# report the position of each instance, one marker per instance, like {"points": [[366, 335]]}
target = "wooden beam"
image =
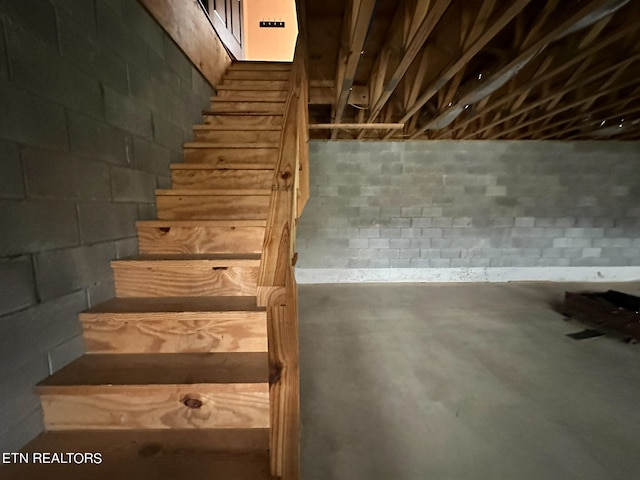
{"points": [[356, 126], [411, 49], [531, 50], [361, 12], [533, 105], [563, 65], [494, 27]]}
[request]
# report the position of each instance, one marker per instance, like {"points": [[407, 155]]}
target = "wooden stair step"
{"points": [[175, 325], [256, 75], [215, 154], [212, 204], [158, 391], [253, 105], [200, 236], [230, 454], [260, 65], [203, 176], [204, 133], [255, 83], [244, 121], [186, 275], [246, 93]]}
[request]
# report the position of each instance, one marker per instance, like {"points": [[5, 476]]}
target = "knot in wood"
{"points": [[285, 175], [191, 402]]}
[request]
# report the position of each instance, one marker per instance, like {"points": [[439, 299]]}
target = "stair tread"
{"points": [[222, 128], [176, 304], [213, 192], [232, 454], [215, 258], [201, 223], [243, 114], [258, 99], [243, 88], [161, 369], [226, 166], [229, 145]]}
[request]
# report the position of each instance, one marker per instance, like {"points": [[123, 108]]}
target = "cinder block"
{"points": [[462, 222], [525, 221], [37, 225], [441, 222], [533, 242], [420, 263], [100, 292], [132, 185], [11, 181], [379, 243], [496, 191], [591, 252], [17, 120], [177, 60], [388, 253], [113, 31], [39, 68], [80, 46], [38, 22], [358, 243], [141, 22], [369, 232], [450, 253], [4, 66], [106, 221], [430, 253], [357, 263], [126, 247], [65, 353], [399, 243], [418, 222], [79, 10], [440, 262], [127, 114], [409, 253], [379, 263], [431, 232], [167, 133], [17, 286], [99, 141], [400, 263], [410, 212], [410, 233], [60, 272], [50, 175]]}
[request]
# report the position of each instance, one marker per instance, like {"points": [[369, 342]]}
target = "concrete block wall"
{"points": [[96, 101], [465, 205]]}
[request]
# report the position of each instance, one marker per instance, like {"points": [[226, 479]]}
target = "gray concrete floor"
{"points": [[462, 381]]}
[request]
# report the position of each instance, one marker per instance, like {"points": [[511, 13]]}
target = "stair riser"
{"points": [[250, 94], [207, 207], [175, 332], [168, 279], [236, 136], [180, 240], [220, 156], [254, 66], [242, 121], [221, 179], [255, 75], [117, 407], [247, 106]]}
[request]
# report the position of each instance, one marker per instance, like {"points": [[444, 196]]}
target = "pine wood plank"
{"points": [[183, 278], [247, 94], [242, 121], [230, 454], [195, 206], [212, 155], [176, 237], [177, 304], [222, 105], [213, 178], [174, 332], [247, 82], [145, 370], [255, 75], [230, 137], [232, 405]]}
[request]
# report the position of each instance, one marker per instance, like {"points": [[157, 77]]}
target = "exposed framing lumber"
{"points": [[563, 65], [494, 27], [357, 22], [411, 50], [531, 50], [356, 126]]}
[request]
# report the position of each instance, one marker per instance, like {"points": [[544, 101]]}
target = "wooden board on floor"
{"points": [[230, 454]]}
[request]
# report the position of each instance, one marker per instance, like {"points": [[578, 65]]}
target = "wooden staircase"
{"points": [[175, 382]]}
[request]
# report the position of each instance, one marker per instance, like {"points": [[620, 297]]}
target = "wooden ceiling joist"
{"points": [[357, 22], [531, 49], [477, 69]]}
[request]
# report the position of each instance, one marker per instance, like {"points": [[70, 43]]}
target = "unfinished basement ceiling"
{"points": [[475, 69]]}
